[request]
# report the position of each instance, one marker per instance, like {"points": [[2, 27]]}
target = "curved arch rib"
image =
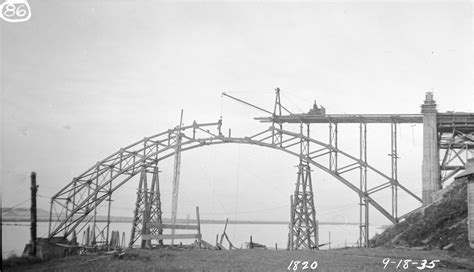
{"points": [[86, 192]]}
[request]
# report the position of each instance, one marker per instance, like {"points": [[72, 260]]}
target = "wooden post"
{"points": [[329, 240], [108, 213], [74, 238], [226, 222], [34, 190], [144, 243], [198, 227], [223, 234], [88, 236], [145, 216], [290, 236], [276, 246]]}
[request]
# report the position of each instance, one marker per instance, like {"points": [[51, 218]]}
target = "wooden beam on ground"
{"points": [[223, 233]]}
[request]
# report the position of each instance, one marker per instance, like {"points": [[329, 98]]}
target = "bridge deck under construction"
{"points": [[446, 121]]}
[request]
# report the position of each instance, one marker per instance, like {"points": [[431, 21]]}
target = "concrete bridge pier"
{"points": [[430, 168]]}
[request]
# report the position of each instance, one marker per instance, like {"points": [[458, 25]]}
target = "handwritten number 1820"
{"points": [[294, 265]]}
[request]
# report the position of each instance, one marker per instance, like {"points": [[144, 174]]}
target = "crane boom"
{"points": [[248, 104]]}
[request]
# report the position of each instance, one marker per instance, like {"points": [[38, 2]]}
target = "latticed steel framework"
{"points": [[75, 206], [456, 143], [303, 225], [147, 208]]}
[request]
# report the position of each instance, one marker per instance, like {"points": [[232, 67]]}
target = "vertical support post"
{"points": [[329, 242], [317, 233], [277, 139], [224, 232], [177, 166], [291, 232], [88, 236], [95, 206], [73, 202], [155, 201], [50, 216], [313, 229], [198, 227], [363, 202], [73, 199], [108, 212], [145, 216], [137, 214], [394, 159], [333, 144], [66, 227], [303, 233], [430, 167], [34, 190]]}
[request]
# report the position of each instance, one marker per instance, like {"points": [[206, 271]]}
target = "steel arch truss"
{"points": [[456, 147], [76, 205]]}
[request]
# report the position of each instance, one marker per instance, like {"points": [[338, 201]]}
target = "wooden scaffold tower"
{"points": [[147, 209], [303, 232]]}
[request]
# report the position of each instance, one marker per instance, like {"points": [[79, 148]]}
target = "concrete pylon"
{"points": [[430, 168]]}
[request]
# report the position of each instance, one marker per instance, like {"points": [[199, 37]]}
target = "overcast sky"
{"points": [[81, 79]]}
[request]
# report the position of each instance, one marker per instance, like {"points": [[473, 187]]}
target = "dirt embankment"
{"points": [[441, 225]]}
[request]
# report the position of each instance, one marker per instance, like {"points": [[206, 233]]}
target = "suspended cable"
{"points": [[222, 105], [294, 104], [413, 134], [250, 173], [11, 208], [43, 196]]}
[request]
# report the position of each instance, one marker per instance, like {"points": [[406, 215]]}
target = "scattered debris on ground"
{"points": [[253, 245]]}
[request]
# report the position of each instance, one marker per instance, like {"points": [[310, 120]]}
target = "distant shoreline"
{"points": [[22, 215], [186, 221]]}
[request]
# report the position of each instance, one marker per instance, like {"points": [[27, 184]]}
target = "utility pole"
{"points": [[34, 190], [177, 167], [329, 240]]}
